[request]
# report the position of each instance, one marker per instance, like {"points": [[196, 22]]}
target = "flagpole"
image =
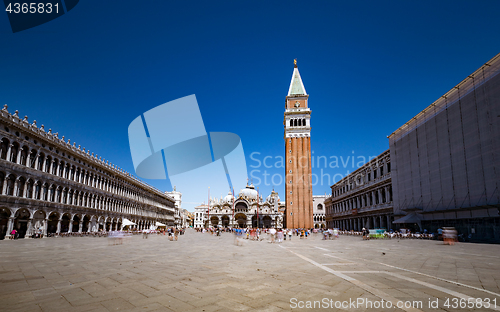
{"points": [[208, 206], [258, 207], [233, 207]]}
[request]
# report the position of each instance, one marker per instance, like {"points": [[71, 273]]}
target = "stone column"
{"points": [[14, 192], [5, 182], [80, 226], [45, 226], [18, 157], [389, 225], [29, 229], [10, 226], [9, 151], [51, 166], [58, 230], [36, 161], [70, 229]]}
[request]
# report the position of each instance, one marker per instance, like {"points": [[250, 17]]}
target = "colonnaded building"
{"points": [[49, 184], [445, 167], [250, 210], [363, 199]]}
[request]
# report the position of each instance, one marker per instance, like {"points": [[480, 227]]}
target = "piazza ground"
{"points": [[201, 272]]}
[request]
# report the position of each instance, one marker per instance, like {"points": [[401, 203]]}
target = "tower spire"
{"points": [[296, 85]]}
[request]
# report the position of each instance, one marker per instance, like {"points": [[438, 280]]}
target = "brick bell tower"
{"points": [[298, 187]]}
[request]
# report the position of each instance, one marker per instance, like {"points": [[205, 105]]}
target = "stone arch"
{"points": [[30, 185], [5, 215], [40, 161], [52, 226], [2, 181], [86, 226], [4, 148], [267, 222], [32, 158], [241, 220], [39, 221], [65, 222], [225, 221], [75, 221], [14, 149], [21, 222]]}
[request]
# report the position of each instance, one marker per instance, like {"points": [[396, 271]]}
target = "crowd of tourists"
{"points": [[271, 235], [448, 235]]}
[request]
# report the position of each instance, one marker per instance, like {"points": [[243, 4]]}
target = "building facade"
{"points": [[298, 184], [247, 210], [363, 199], [446, 160], [186, 218], [200, 216], [48, 184], [319, 217], [178, 215]]}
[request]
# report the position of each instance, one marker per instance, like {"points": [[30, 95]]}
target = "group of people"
{"points": [[173, 233], [273, 235]]}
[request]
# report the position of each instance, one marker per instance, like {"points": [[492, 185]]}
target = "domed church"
{"points": [[250, 210]]}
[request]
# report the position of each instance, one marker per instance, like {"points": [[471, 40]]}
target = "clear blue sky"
{"points": [[368, 66]]}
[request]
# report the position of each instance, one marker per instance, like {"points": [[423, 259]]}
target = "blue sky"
{"points": [[368, 66]]}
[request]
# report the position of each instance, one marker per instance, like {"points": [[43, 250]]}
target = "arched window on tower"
{"points": [[304, 122], [295, 122], [291, 122]]}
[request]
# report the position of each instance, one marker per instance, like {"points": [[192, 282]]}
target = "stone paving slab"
{"points": [[201, 272]]}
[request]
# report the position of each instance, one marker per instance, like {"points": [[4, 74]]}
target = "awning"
{"points": [[160, 224], [412, 217], [127, 222]]}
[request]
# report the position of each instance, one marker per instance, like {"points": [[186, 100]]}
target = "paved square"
{"points": [[201, 272]]}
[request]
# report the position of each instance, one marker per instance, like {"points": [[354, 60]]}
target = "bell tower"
{"points": [[298, 186]]}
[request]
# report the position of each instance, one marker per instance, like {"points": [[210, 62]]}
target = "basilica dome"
{"points": [[273, 196], [228, 198], [249, 192]]}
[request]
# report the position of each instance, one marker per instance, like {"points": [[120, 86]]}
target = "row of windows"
{"points": [[298, 122], [38, 160], [28, 188], [360, 179], [379, 196]]}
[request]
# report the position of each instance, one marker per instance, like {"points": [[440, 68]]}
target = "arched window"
{"points": [[52, 193], [10, 185], [45, 192], [295, 122], [304, 122], [291, 122], [29, 189], [37, 190], [24, 156], [4, 147], [20, 187], [13, 152]]}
